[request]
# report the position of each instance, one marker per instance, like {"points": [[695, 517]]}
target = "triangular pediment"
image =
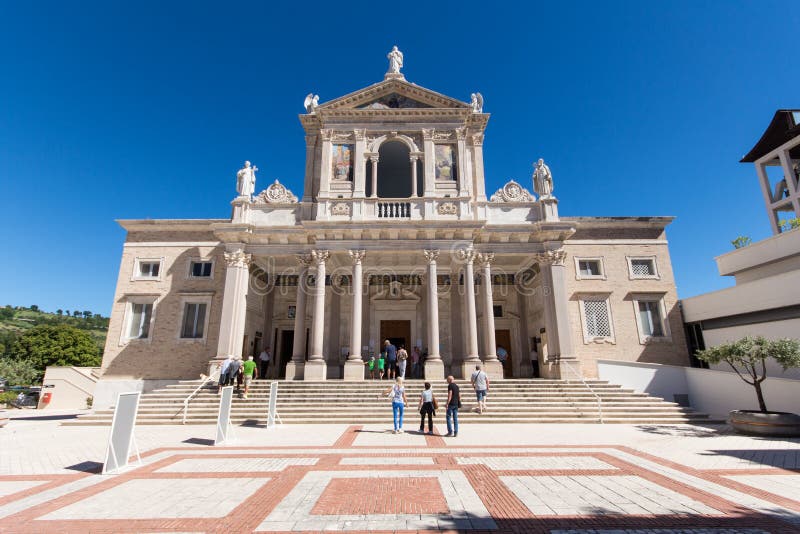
{"points": [[393, 94]]}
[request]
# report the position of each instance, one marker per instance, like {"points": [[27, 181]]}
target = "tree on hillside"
{"points": [[59, 344], [19, 372], [86, 314], [6, 313], [34, 307], [76, 313], [60, 311]]}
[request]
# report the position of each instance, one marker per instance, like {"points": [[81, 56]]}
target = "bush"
{"points": [[60, 344], [7, 397], [20, 372]]}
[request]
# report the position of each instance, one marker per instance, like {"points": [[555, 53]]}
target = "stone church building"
{"points": [[393, 237]]}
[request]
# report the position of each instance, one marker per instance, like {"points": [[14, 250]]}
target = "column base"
{"points": [[294, 370], [468, 367], [315, 370], [354, 370], [434, 370], [493, 369]]}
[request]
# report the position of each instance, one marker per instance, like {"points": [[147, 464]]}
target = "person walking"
{"points": [[453, 404], [381, 365], [371, 365], [398, 395], [427, 406], [250, 371], [402, 361], [391, 359], [233, 373], [264, 361], [224, 373], [480, 383]]}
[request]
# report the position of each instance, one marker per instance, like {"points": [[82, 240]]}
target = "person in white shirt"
{"points": [[263, 360], [480, 382]]}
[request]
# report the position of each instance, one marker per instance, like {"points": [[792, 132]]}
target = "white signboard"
{"points": [[121, 439], [224, 430], [273, 405]]}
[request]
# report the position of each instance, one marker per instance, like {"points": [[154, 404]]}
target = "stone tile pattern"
{"points": [[514, 463], [234, 465], [367, 496], [382, 460], [787, 486]]}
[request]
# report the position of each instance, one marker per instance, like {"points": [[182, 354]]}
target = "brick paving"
{"points": [[587, 479]]}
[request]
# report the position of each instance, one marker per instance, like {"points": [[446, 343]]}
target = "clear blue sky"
{"points": [[115, 110]]}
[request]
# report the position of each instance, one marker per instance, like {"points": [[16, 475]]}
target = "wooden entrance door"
{"points": [[503, 339], [398, 332]]}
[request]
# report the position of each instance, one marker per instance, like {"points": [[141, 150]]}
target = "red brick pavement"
{"points": [[417, 494]]}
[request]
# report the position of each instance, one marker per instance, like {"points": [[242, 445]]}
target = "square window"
{"points": [[149, 269], [139, 321], [589, 267], [642, 267], [597, 320], [200, 269], [194, 317]]}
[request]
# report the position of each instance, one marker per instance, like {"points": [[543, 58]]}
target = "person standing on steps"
{"points": [[402, 361], [427, 406], [391, 359], [233, 373], [398, 395], [263, 360], [250, 371], [453, 404], [480, 382], [381, 365], [224, 373]]}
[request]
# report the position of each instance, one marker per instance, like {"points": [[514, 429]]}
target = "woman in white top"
{"points": [[427, 406], [398, 394]]}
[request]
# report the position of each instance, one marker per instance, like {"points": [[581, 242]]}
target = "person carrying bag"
{"points": [[427, 406]]}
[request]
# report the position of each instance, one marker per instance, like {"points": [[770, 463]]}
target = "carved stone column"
{"points": [[434, 367], [464, 181], [359, 174], [414, 176], [556, 310], [374, 160], [493, 366], [234, 303], [429, 161], [316, 368], [354, 366], [296, 368], [471, 342]]}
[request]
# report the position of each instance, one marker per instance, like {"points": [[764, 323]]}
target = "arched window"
{"points": [[394, 171]]}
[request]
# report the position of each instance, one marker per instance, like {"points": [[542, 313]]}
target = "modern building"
{"points": [[393, 238], [766, 298]]}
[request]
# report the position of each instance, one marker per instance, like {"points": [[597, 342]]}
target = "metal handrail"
{"points": [[587, 386], [213, 376]]}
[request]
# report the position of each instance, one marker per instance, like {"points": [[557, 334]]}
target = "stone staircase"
{"points": [[509, 401]]}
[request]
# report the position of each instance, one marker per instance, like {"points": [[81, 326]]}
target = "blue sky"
{"points": [[113, 110]]}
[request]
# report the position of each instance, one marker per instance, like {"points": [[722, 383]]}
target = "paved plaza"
{"points": [[576, 479]]}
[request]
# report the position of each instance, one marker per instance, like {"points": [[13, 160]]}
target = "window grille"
{"points": [[641, 268], [598, 323]]}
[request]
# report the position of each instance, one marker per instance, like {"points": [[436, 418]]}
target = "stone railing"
{"points": [[393, 209]]}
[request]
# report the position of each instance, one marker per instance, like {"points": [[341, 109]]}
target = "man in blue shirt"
{"points": [[391, 358]]}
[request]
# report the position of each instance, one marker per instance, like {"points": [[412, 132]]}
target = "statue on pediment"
{"points": [[542, 180], [311, 102], [246, 180], [476, 102], [395, 61]]}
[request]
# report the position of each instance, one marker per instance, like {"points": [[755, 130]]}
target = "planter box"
{"points": [[765, 423]]}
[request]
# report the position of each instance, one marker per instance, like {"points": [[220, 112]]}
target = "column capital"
{"points": [[461, 134], [477, 139], [431, 255], [467, 255], [413, 158], [357, 256], [427, 134], [311, 139], [326, 134], [304, 259], [551, 257], [320, 256], [485, 258], [238, 258], [360, 134], [374, 158]]}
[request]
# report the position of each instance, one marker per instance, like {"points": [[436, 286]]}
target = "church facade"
{"points": [[393, 237]]}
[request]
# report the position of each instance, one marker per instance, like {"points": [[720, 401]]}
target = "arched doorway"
{"points": [[394, 171]]}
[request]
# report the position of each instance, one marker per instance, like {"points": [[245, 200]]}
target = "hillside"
{"points": [[14, 321]]}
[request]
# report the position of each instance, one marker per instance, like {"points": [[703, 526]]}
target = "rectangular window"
{"points": [[194, 320], [596, 318], [497, 311], [650, 318], [642, 267], [589, 267], [149, 269], [200, 269], [139, 324]]}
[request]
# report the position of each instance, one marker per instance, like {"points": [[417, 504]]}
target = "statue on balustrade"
{"points": [[246, 180], [542, 180]]}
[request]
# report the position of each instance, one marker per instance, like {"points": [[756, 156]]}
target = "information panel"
{"points": [[224, 417], [273, 404], [121, 439]]}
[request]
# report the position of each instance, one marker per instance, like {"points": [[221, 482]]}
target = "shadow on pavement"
{"points": [[198, 441], [87, 467]]}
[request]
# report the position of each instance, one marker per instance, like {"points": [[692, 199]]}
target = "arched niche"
{"points": [[394, 171]]}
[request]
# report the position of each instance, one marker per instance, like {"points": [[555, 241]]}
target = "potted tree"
{"points": [[748, 358]]}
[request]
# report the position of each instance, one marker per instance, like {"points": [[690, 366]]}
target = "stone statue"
{"points": [[311, 102], [395, 61], [246, 180], [542, 180], [477, 102]]}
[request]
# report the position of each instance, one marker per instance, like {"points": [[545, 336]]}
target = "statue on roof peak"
{"points": [[395, 61], [542, 180]]}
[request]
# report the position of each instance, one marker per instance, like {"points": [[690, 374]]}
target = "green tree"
{"points": [[741, 241], [789, 224], [34, 307], [86, 314], [57, 345], [748, 358], [7, 313], [60, 311], [19, 372], [76, 313]]}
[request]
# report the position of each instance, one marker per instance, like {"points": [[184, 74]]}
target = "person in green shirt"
{"points": [[250, 372], [381, 366], [371, 364]]}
